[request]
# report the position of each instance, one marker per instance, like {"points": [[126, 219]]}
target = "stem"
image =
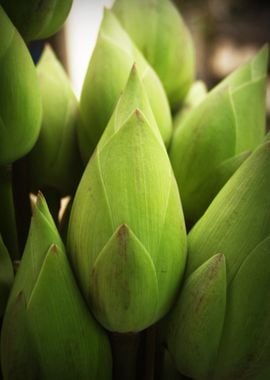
{"points": [[21, 200], [7, 212], [149, 353], [125, 352]]}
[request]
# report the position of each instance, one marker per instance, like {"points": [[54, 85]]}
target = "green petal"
{"points": [[211, 185], [221, 126], [42, 235], [68, 341], [195, 96], [206, 138], [18, 357], [195, 323], [254, 69], [20, 110], [123, 283], [245, 347], [134, 97], [55, 162], [129, 181], [238, 219], [251, 120]]}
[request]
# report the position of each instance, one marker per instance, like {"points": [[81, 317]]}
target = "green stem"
{"points": [[125, 352], [149, 353], [8, 228], [21, 200]]}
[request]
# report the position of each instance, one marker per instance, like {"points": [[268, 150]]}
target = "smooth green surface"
{"points": [[107, 74], [48, 332], [160, 33], [55, 161], [37, 19], [245, 346], [196, 324], [237, 226], [129, 181], [20, 103], [229, 121], [238, 219]]}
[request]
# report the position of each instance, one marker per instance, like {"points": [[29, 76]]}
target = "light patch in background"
{"points": [[81, 33]]}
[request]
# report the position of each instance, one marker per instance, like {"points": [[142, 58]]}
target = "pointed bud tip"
{"points": [[138, 114], [122, 231], [54, 249], [40, 198], [134, 68], [219, 258], [134, 74]]}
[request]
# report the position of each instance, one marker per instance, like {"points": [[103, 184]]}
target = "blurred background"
{"points": [[225, 33]]}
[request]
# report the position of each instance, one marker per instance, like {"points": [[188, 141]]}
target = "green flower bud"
{"points": [[217, 135], [20, 104], [126, 234], [55, 161], [6, 276], [219, 327], [37, 19], [48, 332], [196, 95], [106, 78], [160, 33]]}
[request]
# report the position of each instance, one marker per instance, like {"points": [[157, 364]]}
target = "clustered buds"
{"points": [[161, 152]]}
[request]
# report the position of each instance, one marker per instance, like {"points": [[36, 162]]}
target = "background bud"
{"points": [[20, 110], [37, 19], [107, 74], [160, 33], [218, 134], [55, 161]]}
